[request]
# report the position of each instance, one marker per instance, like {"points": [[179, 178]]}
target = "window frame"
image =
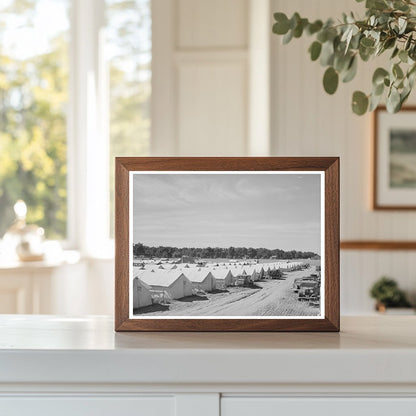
{"points": [[88, 137], [87, 119], [87, 132]]}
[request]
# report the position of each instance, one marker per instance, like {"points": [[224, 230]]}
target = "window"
{"points": [[75, 88], [33, 102], [129, 45]]}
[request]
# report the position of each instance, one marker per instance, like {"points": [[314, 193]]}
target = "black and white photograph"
{"points": [[226, 244]]}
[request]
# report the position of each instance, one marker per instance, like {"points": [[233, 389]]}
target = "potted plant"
{"points": [[389, 27], [387, 294]]}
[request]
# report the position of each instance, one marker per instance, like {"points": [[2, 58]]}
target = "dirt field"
{"points": [[269, 298]]}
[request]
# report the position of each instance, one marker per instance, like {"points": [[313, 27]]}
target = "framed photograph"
{"points": [[394, 179], [227, 244]]}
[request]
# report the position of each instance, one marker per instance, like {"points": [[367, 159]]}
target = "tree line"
{"points": [[218, 252]]}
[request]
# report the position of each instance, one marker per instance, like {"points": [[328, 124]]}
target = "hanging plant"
{"points": [[389, 27]]}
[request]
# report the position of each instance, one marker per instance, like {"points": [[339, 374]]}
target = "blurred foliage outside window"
{"points": [[34, 68], [129, 46], [33, 101]]}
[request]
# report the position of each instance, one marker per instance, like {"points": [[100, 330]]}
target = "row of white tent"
{"points": [[281, 265], [180, 281]]}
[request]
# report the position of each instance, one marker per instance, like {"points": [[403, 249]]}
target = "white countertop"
{"points": [[46, 349]]}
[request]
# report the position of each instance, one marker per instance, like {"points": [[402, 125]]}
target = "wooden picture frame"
{"points": [[390, 191], [326, 167]]}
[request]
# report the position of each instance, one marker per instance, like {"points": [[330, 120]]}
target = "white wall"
{"points": [[308, 122], [200, 76], [86, 288], [211, 93]]}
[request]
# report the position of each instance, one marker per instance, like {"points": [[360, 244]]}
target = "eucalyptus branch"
{"points": [[389, 25]]}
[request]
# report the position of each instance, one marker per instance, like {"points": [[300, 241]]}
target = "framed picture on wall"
{"points": [[394, 178], [227, 244]]}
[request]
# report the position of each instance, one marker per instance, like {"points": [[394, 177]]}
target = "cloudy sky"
{"points": [[222, 210]]}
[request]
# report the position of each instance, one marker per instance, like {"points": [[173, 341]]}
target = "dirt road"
{"points": [[270, 298]]}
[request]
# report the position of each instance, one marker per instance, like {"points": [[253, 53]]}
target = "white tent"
{"points": [[150, 266], [172, 282], [201, 279], [170, 266], [251, 272], [260, 270], [141, 294], [223, 276], [240, 275]]}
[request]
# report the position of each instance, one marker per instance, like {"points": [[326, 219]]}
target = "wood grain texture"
{"points": [[378, 245], [121, 244], [376, 204], [332, 225], [330, 165]]}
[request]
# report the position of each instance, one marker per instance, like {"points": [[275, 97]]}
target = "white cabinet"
{"points": [[272, 406], [88, 406], [79, 366], [203, 405]]}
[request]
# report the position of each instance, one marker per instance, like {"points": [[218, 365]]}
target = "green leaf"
{"points": [[294, 20], [389, 43], [376, 4], [403, 56], [408, 42], [395, 52], [330, 80], [366, 48], [298, 30], [336, 42], [288, 37], [332, 33], [403, 96], [378, 90], [412, 52], [367, 42], [327, 53], [348, 35], [314, 27], [322, 36], [374, 101], [315, 50], [400, 5], [350, 18], [379, 75], [397, 71], [412, 70], [411, 77], [341, 61], [382, 19], [393, 101], [366, 53], [355, 41], [394, 26], [402, 24], [281, 27], [351, 71], [359, 103]]}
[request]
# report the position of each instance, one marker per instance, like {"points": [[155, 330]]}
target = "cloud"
{"points": [[263, 210]]}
